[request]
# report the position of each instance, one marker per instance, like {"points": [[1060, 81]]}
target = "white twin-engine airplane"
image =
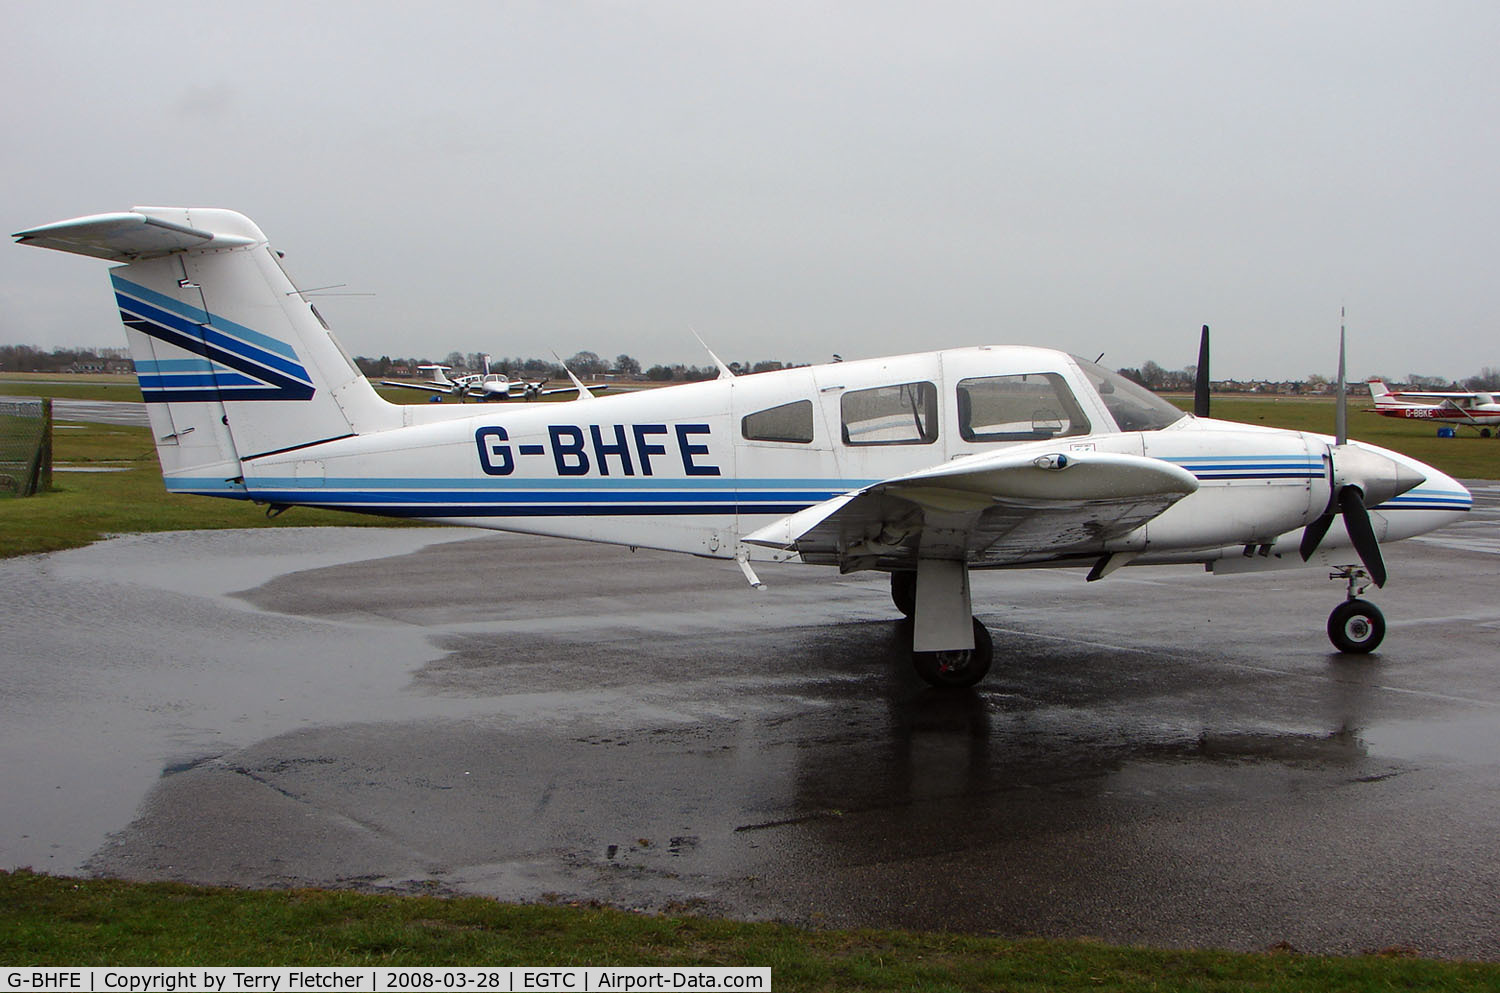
{"points": [[487, 385], [922, 466]]}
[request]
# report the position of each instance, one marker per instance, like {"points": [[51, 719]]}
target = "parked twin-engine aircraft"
{"points": [[436, 383], [922, 466], [487, 385], [1475, 410]]}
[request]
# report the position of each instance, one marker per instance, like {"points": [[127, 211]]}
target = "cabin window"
{"points": [[891, 415], [1030, 407], [790, 422]]}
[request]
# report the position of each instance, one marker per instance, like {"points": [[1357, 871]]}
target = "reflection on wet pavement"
{"points": [[1164, 757]]}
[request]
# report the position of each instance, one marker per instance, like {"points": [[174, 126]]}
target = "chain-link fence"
{"points": [[25, 445]]}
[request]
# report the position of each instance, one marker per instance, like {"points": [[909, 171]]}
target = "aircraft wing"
{"points": [[425, 388], [568, 389], [1434, 397], [988, 509]]}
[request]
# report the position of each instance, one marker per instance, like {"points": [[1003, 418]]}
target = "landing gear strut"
{"points": [[1355, 626], [942, 624]]}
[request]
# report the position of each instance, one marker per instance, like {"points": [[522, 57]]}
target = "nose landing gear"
{"points": [[1356, 626]]}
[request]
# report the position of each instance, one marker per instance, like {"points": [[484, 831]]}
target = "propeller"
{"points": [[1200, 387], [1361, 479]]}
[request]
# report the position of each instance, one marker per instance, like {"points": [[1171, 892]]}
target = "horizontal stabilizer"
{"points": [[130, 236]]}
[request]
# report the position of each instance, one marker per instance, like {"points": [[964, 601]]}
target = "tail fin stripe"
{"points": [[211, 333], [196, 316], [258, 382]]}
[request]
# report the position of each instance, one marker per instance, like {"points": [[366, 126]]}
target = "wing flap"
{"points": [[1008, 507]]}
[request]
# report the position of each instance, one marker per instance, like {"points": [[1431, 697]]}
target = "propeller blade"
{"points": [[1357, 523], [1200, 388], [1312, 536]]}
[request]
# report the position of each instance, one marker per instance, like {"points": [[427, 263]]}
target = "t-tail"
{"points": [[234, 361]]}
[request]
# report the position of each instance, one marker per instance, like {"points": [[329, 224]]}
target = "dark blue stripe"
{"points": [[277, 386], [664, 510], [213, 336]]}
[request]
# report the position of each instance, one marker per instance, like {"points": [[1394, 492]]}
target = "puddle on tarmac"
{"points": [[126, 660]]}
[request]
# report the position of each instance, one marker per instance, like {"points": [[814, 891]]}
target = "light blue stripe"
{"points": [[213, 335], [204, 381], [205, 486], [1300, 459], [176, 365], [197, 316]]}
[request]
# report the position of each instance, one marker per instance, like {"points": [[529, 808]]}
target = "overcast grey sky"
{"points": [[793, 179]]}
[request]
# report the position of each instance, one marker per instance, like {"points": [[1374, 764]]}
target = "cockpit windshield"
{"points": [[1133, 407]]}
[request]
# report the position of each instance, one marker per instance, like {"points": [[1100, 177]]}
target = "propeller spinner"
{"points": [[1361, 480]]}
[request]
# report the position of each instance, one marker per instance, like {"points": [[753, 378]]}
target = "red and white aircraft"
{"points": [[1475, 410]]}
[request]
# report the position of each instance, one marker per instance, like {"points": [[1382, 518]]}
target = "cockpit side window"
{"points": [[789, 422], [1133, 407], [890, 415], [1029, 407]]}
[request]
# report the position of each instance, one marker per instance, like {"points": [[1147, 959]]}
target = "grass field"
{"points": [[50, 921], [83, 507]]}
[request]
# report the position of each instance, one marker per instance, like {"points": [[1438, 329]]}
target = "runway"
{"points": [[1164, 757]]}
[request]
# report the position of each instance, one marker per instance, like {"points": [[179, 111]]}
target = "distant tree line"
{"points": [[1154, 377], [586, 365], [29, 358]]}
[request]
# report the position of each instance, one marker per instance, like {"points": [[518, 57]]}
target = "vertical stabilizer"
{"points": [[233, 361]]}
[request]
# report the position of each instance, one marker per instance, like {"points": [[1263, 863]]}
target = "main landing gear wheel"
{"points": [[957, 669], [1356, 626], [904, 591]]}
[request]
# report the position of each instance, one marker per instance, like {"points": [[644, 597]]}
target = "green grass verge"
{"points": [[46, 920], [83, 507]]}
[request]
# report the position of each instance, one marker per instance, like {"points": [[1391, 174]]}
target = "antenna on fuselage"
{"points": [[724, 371], [583, 391]]}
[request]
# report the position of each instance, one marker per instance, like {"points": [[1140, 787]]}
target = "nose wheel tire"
{"points": [[958, 669], [1356, 626]]}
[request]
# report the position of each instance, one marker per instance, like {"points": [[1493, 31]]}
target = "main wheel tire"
{"points": [[904, 591], [957, 669], [1356, 626]]}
